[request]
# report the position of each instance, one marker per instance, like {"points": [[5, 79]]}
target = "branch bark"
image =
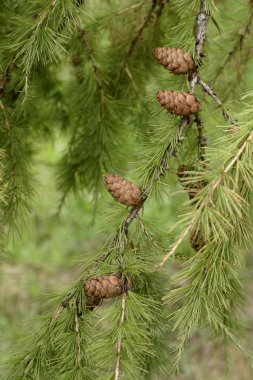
{"points": [[200, 37]]}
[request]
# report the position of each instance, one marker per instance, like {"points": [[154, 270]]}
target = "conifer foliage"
{"points": [[125, 317]]}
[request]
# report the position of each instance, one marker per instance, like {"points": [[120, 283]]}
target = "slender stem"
{"points": [[175, 246], [78, 339], [117, 374]]}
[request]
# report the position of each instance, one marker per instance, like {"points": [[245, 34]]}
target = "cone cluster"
{"points": [[179, 103], [175, 60], [123, 190], [99, 287]]}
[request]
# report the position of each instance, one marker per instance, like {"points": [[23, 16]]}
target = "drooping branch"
{"points": [[209, 200], [163, 167], [29, 51], [123, 230]]}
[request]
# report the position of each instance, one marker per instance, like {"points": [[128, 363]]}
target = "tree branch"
{"points": [[216, 183], [202, 21], [200, 37]]}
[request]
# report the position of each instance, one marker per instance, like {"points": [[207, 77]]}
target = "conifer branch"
{"points": [[134, 212], [42, 41], [163, 167], [209, 200], [15, 174]]}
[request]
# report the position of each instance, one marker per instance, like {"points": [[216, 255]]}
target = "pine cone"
{"points": [[123, 190], [97, 288], [179, 103], [176, 60]]}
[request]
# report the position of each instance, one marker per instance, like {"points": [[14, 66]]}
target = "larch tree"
{"points": [[165, 83]]}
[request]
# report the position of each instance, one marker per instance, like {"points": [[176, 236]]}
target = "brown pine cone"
{"points": [[179, 103], [123, 190], [176, 60], [99, 287]]}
